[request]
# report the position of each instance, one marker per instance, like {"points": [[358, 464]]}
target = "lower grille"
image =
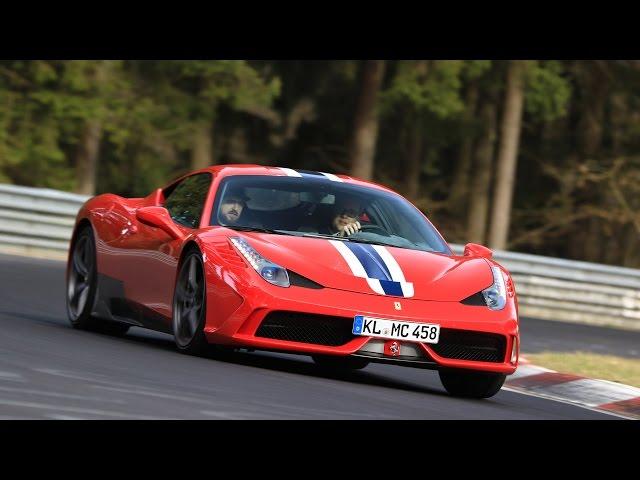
{"points": [[468, 345], [306, 328]]}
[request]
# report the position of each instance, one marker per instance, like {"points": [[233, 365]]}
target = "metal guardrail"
{"points": [[572, 291], [36, 221]]}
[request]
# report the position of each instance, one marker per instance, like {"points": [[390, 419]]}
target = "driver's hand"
{"points": [[351, 228]]}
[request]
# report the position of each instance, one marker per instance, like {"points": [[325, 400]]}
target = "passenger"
{"points": [[344, 221]]}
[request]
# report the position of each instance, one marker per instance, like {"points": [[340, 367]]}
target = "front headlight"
{"points": [[496, 295], [271, 272]]}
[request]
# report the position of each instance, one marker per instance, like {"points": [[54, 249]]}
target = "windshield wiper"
{"points": [[374, 242], [325, 235], [385, 244], [417, 247]]}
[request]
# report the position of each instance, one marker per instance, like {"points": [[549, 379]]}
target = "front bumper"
{"points": [[240, 327]]}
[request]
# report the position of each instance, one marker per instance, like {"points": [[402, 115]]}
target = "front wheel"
{"points": [[472, 384], [189, 306]]}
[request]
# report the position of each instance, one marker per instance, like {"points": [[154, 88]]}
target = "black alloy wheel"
{"points": [[189, 306], [82, 287]]}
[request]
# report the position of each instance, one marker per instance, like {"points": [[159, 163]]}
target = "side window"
{"points": [[186, 201]]}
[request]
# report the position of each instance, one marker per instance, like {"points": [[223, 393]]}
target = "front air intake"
{"points": [[469, 345], [307, 328]]}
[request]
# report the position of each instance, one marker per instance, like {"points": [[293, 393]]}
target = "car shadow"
{"points": [[274, 361], [281, 362], [137, 336], [299, 364]]}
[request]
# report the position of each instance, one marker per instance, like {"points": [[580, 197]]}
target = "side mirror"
{"points": [[477, 250], [159, 217]]}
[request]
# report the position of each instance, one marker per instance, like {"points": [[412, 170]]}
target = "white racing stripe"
{"points": [[390, 262], [290, 172], [331, 177], [407, 289], [374, 283], [353, 262]]}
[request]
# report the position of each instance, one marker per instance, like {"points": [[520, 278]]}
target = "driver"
{"points": [[231, 208]]}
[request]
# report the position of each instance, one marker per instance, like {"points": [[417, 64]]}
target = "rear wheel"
{"points": [[82, 286], [340, 363], [472, 384], [189, 306]]}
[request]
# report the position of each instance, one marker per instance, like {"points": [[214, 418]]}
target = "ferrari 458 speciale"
{"points": [[271, 258]]}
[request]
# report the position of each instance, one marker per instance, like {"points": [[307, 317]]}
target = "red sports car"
{"points": [[271, 258]]}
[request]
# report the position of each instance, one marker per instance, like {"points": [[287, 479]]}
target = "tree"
{"points": [[472, 74], [507, 154], [55, 112], [206, 85], [478, 207], [365, 128], [424, 93], [96, 84]]}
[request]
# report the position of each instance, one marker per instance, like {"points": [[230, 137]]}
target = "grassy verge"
{"points": [[592, 365]]}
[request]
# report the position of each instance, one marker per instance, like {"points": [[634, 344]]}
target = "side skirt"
{"points": [[112, 305]]}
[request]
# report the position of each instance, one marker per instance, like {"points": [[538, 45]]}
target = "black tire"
{"points": [[82, 286], [339, 363], [190, 306], [471, 384]]}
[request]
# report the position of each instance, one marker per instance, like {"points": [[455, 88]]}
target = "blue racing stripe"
{"points": [[374, 267], [310, 173], [392, 288], [376, 256]]}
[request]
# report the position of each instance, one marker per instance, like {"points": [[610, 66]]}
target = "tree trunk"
{"points": [[592, 239], [87, 158], [202, 152], [507, 155], [460, 185], [365, 129], [595, 86], [619, 119], [414, 161], [631, 257], [88, 151], [481, 179]]}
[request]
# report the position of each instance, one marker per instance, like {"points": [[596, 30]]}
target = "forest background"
{"points": [[532, 156]]}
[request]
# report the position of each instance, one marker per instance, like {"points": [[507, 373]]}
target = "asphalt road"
{"points": [[542, 335], [50, 371]]}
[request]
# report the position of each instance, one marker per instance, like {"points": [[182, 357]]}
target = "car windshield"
{"points": [[311, 207]]}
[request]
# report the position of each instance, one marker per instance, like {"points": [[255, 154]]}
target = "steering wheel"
{"points": [[368, 228]]}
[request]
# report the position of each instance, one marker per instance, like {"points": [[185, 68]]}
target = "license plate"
{"points": [[396, 330]]}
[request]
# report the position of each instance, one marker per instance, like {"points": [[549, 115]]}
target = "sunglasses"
{"points": [[349, 212]]}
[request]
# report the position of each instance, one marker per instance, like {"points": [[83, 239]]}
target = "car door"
{"points": [[152, 273]]}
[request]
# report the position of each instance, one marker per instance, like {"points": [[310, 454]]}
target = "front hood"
{"points": [[375, 270]]}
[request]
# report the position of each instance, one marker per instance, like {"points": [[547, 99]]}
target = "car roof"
{"points": [[248, 169]]}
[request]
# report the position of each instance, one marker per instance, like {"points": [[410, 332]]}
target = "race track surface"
{"points": [[543, 335], [50, 371]]}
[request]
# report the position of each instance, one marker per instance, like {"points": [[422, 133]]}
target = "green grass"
{"points": [[592, 365]]}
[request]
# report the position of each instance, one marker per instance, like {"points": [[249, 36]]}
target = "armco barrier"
{"points": [[571, 291], [35, 221]]}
